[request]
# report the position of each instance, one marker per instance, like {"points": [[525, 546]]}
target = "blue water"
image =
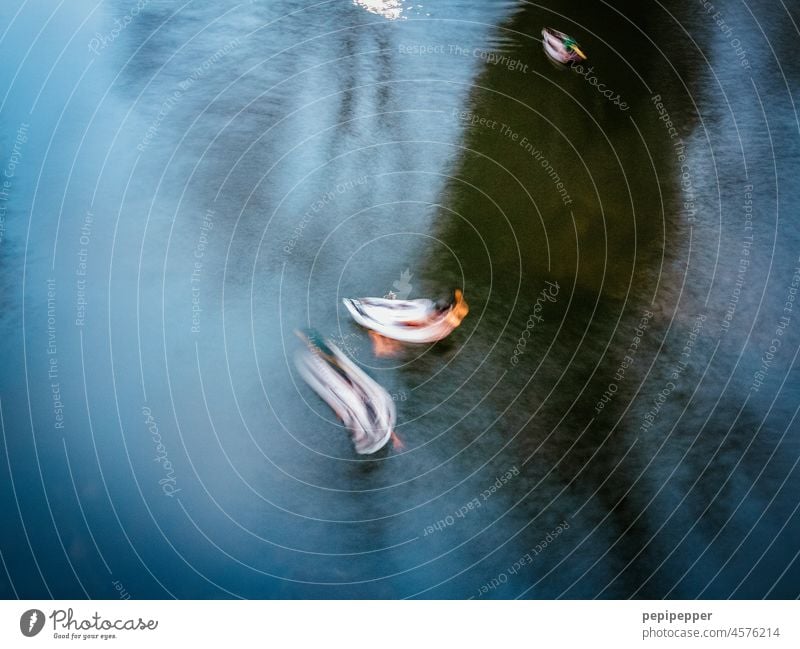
{"points": [[186, 187]]}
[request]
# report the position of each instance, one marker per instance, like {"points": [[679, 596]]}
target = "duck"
{"points": [[410, 321], [364, 407], [561, 48]]}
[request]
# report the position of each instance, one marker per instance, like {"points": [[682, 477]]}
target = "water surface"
{"points": [[192, 184]]}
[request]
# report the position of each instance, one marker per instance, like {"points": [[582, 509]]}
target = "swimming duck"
{"points": [[561, 48], [364, 407], [411, 321]]}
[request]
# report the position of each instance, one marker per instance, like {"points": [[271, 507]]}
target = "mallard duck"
{"points": [[561, 48], [411, 321], [364, 407]]}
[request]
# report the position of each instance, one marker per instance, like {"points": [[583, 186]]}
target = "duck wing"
{"points": [[388, 313]]}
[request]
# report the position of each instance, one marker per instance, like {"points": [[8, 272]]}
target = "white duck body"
{"points": [[365, 408], [411, 321]]}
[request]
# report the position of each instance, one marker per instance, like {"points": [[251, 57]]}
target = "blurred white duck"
{"points": [[561, 48], [410, 321], [364, 407]]}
